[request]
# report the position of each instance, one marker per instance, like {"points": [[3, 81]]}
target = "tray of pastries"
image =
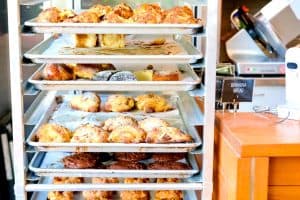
{"points": [[118, 77], [148, 18], [122, 164], [115, 49], [78, 188], [68, 130]]}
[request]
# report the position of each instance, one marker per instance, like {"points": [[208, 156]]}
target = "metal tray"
{"points": [[188, 81], [48, 52], [115, 28], [49, 164], [74, 119], [45, 184]]}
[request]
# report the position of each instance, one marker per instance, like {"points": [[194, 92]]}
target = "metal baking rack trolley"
{"points": [[36, 163]]}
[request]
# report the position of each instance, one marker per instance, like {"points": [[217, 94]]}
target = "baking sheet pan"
{"points": [[188, 81], [72, 120], [48, 51], [50, 164]]}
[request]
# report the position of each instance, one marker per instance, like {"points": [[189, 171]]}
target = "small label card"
{"points": [[237, 90]]}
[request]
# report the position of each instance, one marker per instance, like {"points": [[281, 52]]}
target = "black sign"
{"points": [[237, 90]]}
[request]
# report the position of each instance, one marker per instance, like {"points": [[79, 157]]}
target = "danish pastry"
{"points": [[53, 133], [113, 123], [151, 123], [89, 133], [127, 134], [152, 103], [167, 135], [87, 102], [119, 103]]}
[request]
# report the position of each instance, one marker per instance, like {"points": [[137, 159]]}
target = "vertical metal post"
{"points": [[212, 40], [15, 55]]}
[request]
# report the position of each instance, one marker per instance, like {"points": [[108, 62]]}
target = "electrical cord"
{"points": [[269, 110]]}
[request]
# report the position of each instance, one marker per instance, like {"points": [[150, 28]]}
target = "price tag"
{"points": [[237, 90]]}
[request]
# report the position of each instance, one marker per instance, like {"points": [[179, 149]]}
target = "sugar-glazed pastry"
{"points": [[89, 133], [122, 120], [88, 102], [53, 133], [168, 135], [119, 103], [152, 103], [127, 134]]}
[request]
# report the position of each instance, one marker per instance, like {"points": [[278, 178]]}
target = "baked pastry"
{"points": [[122, 120], [56, 72], [179, 15], [87, 102], [85, 17], [168, 194], [85, 40], [100, 10], [152, 103], [114, 75], [127, 134], [81, 161], [53, 133], [63, 195], [165, 76], [168, 157], [119, 103], [127, 165], [123, 10], [85, 71], [167, 135], [169, 165], [148, 14], [130, 157], [135, 195], [54, 15], [152, 123], [89, 133], [98, 194], [111, 40]]}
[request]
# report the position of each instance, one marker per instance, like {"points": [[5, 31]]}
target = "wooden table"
{"points": [[256, 157]]}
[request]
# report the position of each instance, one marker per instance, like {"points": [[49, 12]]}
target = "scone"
{"points": [[167, 135], [111, 40], [179, 15], [100, 10], [127, 134], [169, 165], [148, 14], [152, 123], [119, 103], [63, 195], [126, 165], [130, 157], [168, 157], [81, 161], [56, 72], [168, 194], [89, 133], [113, 123], [87, 102], [123, 10], [98, 194], [54, 15], [135, 195], [53, 133], [152, 103]]}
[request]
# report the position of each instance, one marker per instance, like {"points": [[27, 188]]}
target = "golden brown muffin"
{"points": [[123, 10], [52, 15], [86, 71], [87, 102], [168, 194], [169, 165], [56, 72], [148, 14], [151, 123], [81, 161], [152, 103], [165, 76], [98, 194], [112, 40], [53, 133], [168, 157], [113, 123], [119, 103], [135, 195], [179, 15], [100, 10], [59, 195], [130, 157], [127, 134], [85, 40], [167, 135], [89, 133]]}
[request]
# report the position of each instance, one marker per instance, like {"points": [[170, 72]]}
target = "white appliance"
{"points": [[291, 109]]}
